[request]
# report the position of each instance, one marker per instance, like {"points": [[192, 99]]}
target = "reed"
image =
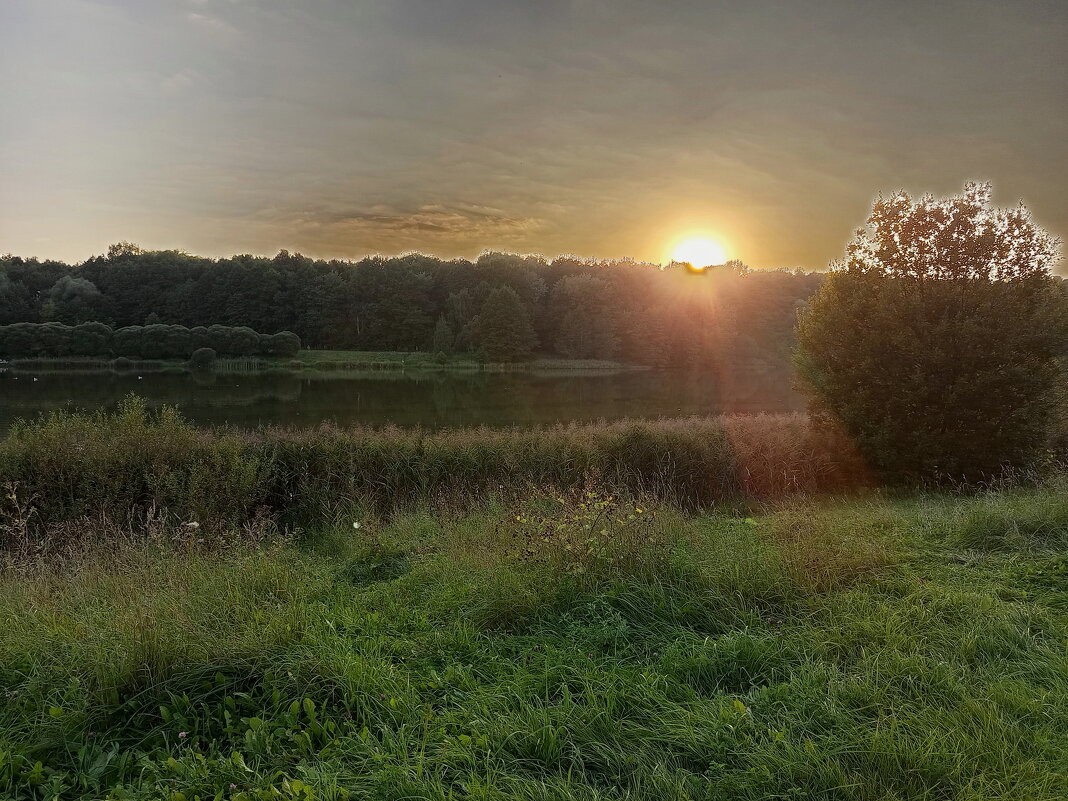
{"points": [[133, 465]]}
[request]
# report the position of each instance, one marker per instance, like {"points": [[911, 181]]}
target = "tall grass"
{"points": [[132, 466]]}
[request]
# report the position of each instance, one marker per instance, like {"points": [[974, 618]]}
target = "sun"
{"points": [[700, 252]]}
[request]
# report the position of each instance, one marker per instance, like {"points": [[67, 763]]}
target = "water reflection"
{"points": [[432, 400]]}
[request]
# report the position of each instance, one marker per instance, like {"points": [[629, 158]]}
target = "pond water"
{"points": [[431, 400]]}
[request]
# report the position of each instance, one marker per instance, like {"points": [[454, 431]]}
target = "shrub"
{"points": [[91, 339], [202, 358], [935, 345], [284, 344], [127, 342], [155, 341]]}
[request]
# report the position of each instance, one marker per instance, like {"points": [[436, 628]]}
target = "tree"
{"points": [[935, 344], [502, 329], [121, 249], [73, 300], [443, 337], [393, 303], [585, 314]]}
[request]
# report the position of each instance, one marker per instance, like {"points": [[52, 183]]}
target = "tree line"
{"points": [[501, 306], [201, 343]]}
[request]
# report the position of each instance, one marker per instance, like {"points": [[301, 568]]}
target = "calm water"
{"points": [[429, 400]]}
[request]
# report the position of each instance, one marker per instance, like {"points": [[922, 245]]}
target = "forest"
{"points": [[501, 307]]}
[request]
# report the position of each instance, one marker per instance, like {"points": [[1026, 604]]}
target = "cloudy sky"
{"points": [[594, 127]]}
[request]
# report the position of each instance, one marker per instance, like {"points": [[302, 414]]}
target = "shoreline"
{"points": [[322, 362]]}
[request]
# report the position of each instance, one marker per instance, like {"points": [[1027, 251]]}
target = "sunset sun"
{"points": [[700, 252]]}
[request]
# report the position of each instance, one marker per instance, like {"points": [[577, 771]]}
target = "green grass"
{"points": [[327, 361], [861, 649], [420, 360]]}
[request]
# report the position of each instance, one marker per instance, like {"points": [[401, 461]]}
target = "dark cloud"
{"points": [[590, 126]]}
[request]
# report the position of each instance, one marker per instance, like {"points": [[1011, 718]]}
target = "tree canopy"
{"points": [[935, 345], [623, 310]]}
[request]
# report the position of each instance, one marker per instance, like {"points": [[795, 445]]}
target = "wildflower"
{"points": [[193, 524], [183, 734], [356, 524], [233, 786]]}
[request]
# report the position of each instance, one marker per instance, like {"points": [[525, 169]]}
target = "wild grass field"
{"points": [[572, 646], [712, 608]]}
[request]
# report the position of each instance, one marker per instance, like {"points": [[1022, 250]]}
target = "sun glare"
{"points": [[700, 252]]}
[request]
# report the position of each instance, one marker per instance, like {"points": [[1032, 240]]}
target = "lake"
{"points": [[428, 399]]}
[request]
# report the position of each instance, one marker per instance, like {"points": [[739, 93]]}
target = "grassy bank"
{"points": [[132, 467], [325, 361], [863, 650]]}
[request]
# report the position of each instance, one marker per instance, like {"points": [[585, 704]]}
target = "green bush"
{"points": [[935, 346], [202, 358], [155, 341], [283, 344]]}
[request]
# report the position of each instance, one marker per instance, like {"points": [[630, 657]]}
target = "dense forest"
{"points": [[501, 307]]}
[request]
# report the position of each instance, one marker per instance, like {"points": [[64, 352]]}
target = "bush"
{"points": [[935, 346], [284, 344], [202, 358], [155, 341]]}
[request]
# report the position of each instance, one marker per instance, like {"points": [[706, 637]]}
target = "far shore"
{"points": [[316, 362]]}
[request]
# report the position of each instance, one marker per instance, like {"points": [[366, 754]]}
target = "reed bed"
{"points": [[134, 465]]}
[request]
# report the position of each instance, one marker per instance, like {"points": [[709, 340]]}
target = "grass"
{"points": [[354, 359], [567, 646], [132, 466], [324, 361]]}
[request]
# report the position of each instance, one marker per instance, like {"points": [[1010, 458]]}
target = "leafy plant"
{"points": [[935, 346]]}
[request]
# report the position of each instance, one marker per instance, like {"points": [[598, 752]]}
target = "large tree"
{"points": [[585, 314], [934, 345], [502, 331]]}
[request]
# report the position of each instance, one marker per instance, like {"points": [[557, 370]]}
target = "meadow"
{"points": [[712, 608], [576, 645]]}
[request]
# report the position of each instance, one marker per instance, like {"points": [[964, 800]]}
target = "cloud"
{"points": [[215, 27], [357, 231], [179, 81], [589, 126]]}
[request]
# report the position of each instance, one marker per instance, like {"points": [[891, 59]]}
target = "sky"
{"points": [[601, 128]]}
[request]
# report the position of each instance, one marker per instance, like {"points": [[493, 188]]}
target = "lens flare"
{"points": [[700, 252]]}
